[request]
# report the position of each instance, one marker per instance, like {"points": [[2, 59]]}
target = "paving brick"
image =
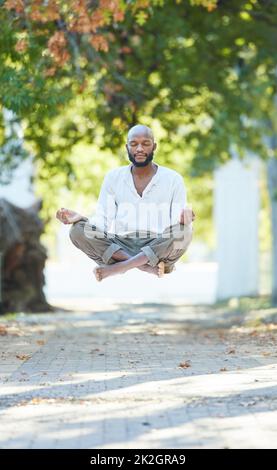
{"points": [[154, 377]]}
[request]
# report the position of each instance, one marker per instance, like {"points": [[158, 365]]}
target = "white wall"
{"points": [[236, 210]]}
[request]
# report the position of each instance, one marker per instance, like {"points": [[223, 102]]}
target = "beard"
{"points": [[148, 159]]}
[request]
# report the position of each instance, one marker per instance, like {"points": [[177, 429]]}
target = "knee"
{"points": [[181, 232], [183, 238], [76, 231]]}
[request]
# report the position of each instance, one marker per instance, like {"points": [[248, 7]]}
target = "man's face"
{"points": [[140, 148]]}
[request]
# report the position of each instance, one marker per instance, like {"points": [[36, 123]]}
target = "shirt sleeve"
{"points": [[106, 207], [179, 200]]}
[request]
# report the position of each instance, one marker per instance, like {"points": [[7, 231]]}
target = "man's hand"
{"points": [[66, 216], [187, 216]]}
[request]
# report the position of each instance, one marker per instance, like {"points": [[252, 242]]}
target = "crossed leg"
{"points": [[158, 270], [120, 267], [106, 253], [156, 257]]}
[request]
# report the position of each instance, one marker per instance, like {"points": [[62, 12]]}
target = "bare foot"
{"points": [[149, 269], [101, 272], [97, 274], [161, 269], [157, 270]]}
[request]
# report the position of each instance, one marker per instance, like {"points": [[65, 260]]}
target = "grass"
{"points": [[9, 316], [257, 311]]}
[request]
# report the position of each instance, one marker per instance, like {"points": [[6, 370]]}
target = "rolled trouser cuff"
{"points": [[110, 251], [153, 258]]}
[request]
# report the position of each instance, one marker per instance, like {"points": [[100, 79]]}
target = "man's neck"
{"points": [[144, 171]]}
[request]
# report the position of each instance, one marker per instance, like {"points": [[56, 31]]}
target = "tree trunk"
{"points": [[272, 188], [22, 259]]}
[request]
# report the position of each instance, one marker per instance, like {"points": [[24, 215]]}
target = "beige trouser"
{"points": [[100, 246]]}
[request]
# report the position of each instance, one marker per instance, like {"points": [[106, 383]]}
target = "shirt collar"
{"points": [[129, 179], [129, 173]]}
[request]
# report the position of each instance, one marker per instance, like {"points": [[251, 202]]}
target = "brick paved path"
{"points": [[137, 376]]}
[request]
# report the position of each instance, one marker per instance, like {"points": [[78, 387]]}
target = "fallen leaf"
{"points": [[23, 357], [231, 351], [3, 330], [35, 401], [40, 342], [184, 365], [253, 333]]}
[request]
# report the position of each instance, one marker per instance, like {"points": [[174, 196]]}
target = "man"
{"points": [[141, 219]]}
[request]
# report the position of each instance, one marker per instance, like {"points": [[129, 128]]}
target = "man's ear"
{"points": [[155, 146]]}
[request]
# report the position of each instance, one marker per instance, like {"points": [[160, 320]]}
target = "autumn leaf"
{"points": [[49, 73], [17, 5], [36, 401], [211, 7], [23, 357], [253, 333], [184, 365], [99, 43], [231, 351], [3, 330], [21, 45], [118, 15], [57, 47]]}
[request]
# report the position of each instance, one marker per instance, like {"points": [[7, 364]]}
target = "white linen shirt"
{"points": [[121, 210]]}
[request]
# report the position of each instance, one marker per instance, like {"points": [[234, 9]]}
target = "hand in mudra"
{"points": [[187, 216], [67, 216]]}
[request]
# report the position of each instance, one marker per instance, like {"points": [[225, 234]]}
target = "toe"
{"points": [[97, 274], [161, 268]]}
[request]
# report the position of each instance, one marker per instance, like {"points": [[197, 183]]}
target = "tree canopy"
{"points": [[206, 70]]}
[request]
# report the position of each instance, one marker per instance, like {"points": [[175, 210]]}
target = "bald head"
{"points": [[140, 131], [140, 145]]}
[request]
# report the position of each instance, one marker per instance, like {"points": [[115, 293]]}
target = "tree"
{"points": [[204, 69]]}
